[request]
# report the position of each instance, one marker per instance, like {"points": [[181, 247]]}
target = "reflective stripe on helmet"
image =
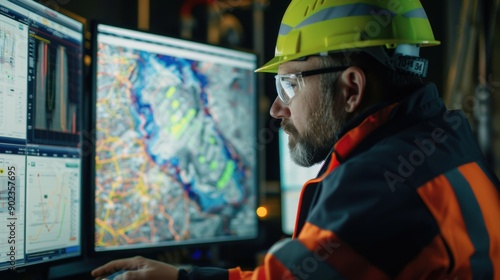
{"points": [[350, 10], [417, 13]]}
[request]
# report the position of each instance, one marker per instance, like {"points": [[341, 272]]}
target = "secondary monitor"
{"points": [[292, 178], [40, 135], [175, 153]]}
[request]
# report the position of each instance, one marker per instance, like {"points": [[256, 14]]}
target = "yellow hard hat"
{"points": [[313, 27]]}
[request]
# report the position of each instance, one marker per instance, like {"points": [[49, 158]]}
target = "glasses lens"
{"points": [[285, 87], [287, 84], [279, 89]]}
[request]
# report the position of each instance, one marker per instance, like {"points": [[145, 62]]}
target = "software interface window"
{"points": [[40, 157]]}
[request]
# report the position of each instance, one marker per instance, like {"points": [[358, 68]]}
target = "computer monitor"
{"points": [[175, 153], [40, 136], [292, 178]]}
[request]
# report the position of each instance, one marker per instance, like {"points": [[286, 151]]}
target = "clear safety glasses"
{"points": [[288, 84]]}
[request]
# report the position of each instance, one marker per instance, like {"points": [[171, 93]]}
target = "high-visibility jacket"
{"points": [[405, 194]]}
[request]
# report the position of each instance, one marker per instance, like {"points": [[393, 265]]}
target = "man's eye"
{"points": [[288, 84]]}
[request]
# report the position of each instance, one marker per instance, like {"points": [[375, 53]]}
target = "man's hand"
{"points": [[137, 268]]}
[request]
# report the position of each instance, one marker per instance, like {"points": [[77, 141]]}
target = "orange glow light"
{"points": [[261, 212]]}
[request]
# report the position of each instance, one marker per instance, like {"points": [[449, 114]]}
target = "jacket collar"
{"points": [[421, 104]]}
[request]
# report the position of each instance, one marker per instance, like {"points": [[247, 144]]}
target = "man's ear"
{"points": [[352, 85]]}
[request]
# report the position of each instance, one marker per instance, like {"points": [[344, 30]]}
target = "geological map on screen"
{"points": [[173, 160]]}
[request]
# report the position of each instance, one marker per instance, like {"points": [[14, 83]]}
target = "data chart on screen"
{"points": [[52, 203], [13, 74]]}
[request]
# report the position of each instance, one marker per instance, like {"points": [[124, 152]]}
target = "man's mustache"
{"points": [[289, 128]]}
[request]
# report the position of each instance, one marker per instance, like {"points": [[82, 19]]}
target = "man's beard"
{"points": [[313, 145]]}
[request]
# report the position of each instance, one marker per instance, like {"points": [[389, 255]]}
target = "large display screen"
{"points": [[41, 70], [175, 129]]}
